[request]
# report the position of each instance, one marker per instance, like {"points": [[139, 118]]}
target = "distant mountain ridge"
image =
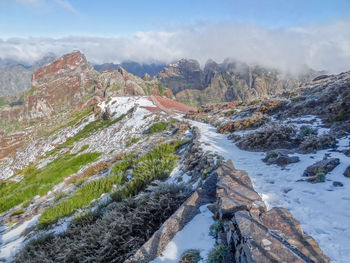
{"points": [[134, 68], [227, 81], [15, 77]]}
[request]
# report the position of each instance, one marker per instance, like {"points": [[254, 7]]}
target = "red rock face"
{"points": [[60, 84], [172, 104]]}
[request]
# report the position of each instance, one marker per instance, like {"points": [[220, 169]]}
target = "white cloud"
{"points": [[323, 46], [66, 5]]}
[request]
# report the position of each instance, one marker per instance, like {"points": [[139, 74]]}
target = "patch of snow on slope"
{"points": [[12, 241], [195, 235], [322, 209]]}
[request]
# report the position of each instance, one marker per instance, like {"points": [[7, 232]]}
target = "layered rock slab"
{"points": [[254, 234]]}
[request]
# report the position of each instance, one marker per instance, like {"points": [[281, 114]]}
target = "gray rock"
{"points": [[338, 184], [347, 172], [235, 191], [317, 172], [280, 157], [274, 236]]}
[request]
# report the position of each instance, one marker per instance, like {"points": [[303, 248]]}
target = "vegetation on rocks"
{"points": [[191, 256], [271, 136], [132, 141], [158, 127], [311, 143], [218, 254]]}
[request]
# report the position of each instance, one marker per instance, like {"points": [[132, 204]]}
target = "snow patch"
{"points": [[195, 235]]}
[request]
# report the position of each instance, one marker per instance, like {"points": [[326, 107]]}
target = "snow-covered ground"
{"points": [[322, 209], [195, 235], [13, 240]]}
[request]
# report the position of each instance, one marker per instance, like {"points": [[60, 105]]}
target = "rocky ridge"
{"points": [[228, 81]]}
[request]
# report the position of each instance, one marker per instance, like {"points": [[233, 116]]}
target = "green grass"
{"points": [[92, 127], [40, 181], [83, 197], [88, 129], [26, 203], [17, 212], [156, 164], [3, 101], [161, 88], [158, 127], [132, 141], [76, 118]]}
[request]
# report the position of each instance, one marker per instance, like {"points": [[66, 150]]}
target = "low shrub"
{"points": [[217, 227], [87, 173], [112, 236], [132, 141], [191, 256], [26, 203], [59, 196], [269, 137], [218, 254], [154, 165], [311, 143], [158, 127]]}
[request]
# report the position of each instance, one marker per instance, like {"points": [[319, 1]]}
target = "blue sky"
{"points": [[285, 34], [57, 18]]}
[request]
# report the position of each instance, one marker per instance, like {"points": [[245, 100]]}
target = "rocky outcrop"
{"points": [[328, 98], [228, 81], [60, 84], [70, 81], [253, 234], [235, 192], [251, 122]]}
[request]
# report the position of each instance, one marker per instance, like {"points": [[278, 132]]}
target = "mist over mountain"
{"points": [[133, 67]]}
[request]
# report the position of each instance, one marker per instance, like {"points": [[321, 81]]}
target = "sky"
{"points": [[278, 33]]}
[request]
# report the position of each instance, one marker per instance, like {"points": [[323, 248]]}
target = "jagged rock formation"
{"points": [[229, 81], [71, 80], [134, 68]]}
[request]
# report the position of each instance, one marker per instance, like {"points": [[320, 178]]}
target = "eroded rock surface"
{"points": [[254, 234]]}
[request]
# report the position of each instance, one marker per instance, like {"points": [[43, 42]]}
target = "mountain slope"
{"points": [[228, 81]]}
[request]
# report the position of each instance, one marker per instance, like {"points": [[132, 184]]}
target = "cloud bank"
{"points": [[322, 47]]}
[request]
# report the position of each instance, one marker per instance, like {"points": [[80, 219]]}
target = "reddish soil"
{"points": [[174, 105]]}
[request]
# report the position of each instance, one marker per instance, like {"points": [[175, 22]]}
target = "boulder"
{"points": [[338, 184], [280, 157], [276, 236], [347, 172], [235, 192], [318, 170]]}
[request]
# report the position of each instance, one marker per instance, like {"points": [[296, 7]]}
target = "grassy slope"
{"points": [[157, 164], [40, 181]]}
